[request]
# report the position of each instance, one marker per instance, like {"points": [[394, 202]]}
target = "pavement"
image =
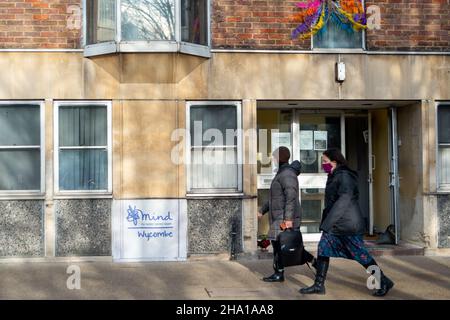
{"points": [[415, 277]]}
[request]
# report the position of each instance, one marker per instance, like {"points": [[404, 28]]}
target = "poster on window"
{"points": [[306, 140], [149, 230], [320, 140], [280, 139]]}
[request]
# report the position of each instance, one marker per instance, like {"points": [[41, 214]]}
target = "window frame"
{"points": [[440, 187], [344, 50], [214, 192], [147, 46], [81, 193], [5, 194]]}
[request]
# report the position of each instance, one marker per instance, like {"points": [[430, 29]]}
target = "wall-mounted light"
{"points": [[340, 72]]}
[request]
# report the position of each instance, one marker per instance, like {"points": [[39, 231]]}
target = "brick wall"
{"points": [[419, 25], [37, 24], [258, 24]]}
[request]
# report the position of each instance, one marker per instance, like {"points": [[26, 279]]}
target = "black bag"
{"points": [[291, 248]]}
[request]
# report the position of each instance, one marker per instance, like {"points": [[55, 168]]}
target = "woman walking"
{"points": [[342, 224]]}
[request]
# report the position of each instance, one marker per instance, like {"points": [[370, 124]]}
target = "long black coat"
{"points": [[283, 203], [342, 214]]}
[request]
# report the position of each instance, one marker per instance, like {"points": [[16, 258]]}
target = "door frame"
{"points": [[343, 114], [394, 181], [371, 162]]}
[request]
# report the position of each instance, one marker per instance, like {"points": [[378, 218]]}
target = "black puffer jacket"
{"points": [[283, 203], [342, 214]]}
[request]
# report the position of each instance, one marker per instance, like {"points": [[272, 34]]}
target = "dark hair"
{"points": [[335, 154], [282, 154]]}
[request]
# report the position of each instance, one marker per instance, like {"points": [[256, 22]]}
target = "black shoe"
{"points": [[385, 285], [319, 283], [316, 288], [276, 277]]}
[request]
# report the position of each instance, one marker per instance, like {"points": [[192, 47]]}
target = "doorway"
{"points": [[363, 137]]}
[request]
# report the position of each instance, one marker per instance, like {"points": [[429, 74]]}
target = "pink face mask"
{"points": [[327, 167]]}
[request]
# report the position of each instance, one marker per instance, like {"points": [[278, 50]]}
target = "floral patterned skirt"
{"points": [[348, 247]]}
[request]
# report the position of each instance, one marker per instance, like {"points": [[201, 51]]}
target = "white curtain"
{"points": [[444, 166], [83, 157], [214, 163], [101, 18]]}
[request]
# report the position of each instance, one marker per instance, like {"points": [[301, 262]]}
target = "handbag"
{"points": [[291, 248]]}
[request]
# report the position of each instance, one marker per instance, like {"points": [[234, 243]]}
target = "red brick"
{"points": [[37, 24]]}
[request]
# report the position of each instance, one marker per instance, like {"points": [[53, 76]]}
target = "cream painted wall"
{"points": [[142, 151], [410, 172], [28, 75]]}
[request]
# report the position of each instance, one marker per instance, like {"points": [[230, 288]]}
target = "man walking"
{"points": [[283, 207]]}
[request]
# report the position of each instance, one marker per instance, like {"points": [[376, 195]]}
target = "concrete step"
{"points": [[377, 250]]}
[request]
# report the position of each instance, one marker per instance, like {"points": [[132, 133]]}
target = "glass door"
{"points": [[315, 132], [307, 134]]}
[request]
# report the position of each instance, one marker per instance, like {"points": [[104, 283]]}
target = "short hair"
{"points": [[282, 154]]}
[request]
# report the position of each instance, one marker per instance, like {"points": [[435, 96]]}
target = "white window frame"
{"points": [[344, 50], [82, 193], [440, 187], [215, 192], [147, 46], [5, 194]]}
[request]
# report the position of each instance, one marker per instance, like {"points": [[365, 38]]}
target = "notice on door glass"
{"points": [[320, 140], [281, 139], [306, 140]]}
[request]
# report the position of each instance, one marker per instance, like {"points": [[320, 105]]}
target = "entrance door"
{"points": [[308, 134], [314, 132], [357, 149]]}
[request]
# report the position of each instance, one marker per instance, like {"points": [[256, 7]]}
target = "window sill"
{"points": [[22, 196], [97, 195], [438, 193], [356, 50], [113, 47], [200, 196]]}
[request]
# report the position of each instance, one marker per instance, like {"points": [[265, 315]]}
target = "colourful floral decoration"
{"points": [[349, 15]]}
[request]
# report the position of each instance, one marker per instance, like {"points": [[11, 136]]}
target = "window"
{"points": [[341, 17], [214, 147], [194, 21], [21, 147], [145, 20], [147, 26], [83, 147], [332, 36], [444, 146], [102, 26]]}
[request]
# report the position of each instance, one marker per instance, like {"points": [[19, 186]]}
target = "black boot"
{"points": [[278, 268], [319, 284], [314, 263], [386, 284], [276, 277]]}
